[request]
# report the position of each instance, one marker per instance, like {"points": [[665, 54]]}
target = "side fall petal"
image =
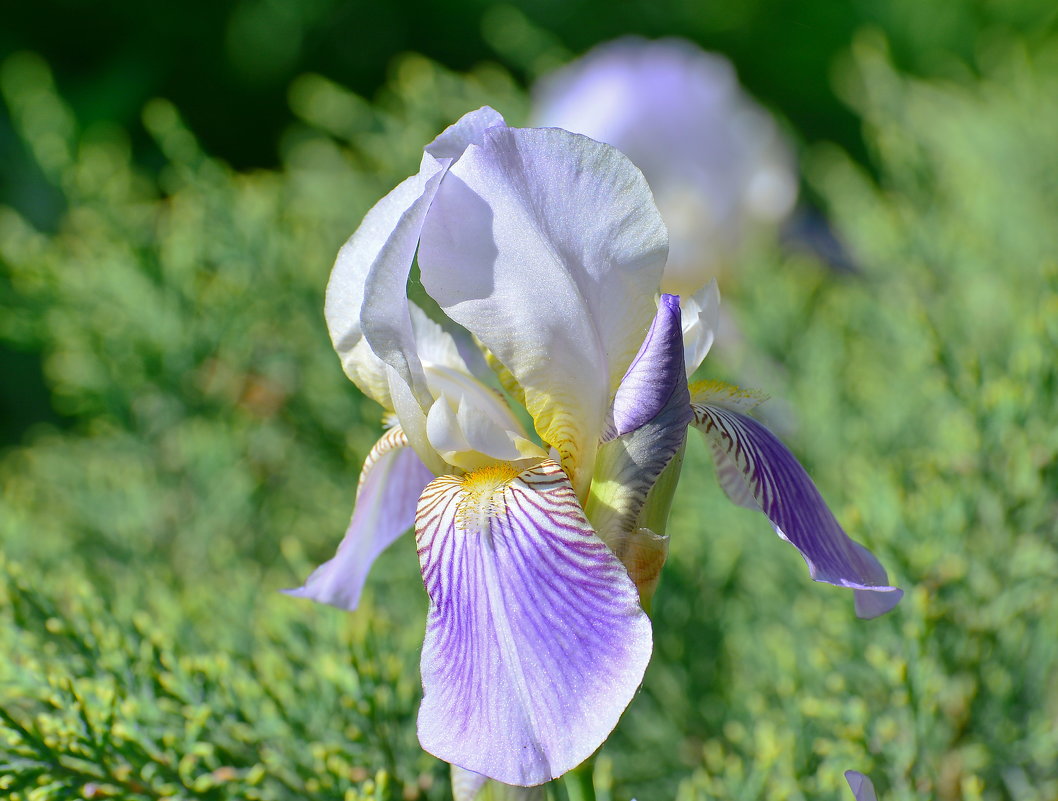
{"points": [[535, 640], [757, 471], [390, 484]]}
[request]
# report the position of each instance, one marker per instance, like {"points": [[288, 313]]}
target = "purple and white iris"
{"points": [[543, 251]]}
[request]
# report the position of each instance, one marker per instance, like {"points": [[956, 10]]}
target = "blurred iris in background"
{"points": [[717, 162]]}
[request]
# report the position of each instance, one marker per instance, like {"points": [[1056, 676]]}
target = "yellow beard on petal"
{"points": [[483, 495]]}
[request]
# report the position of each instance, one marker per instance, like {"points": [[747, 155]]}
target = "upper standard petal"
{"points": [[384, 242], [367, 295], [547, 247]]}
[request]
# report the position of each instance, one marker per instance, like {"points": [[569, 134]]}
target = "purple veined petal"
{"points": [[548, 248], [535, 641], [861, 786], [470, 786], [757, 471], [654, 375], [391, 481]]}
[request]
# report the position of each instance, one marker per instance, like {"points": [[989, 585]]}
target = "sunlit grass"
{"points": [[215, 442]]}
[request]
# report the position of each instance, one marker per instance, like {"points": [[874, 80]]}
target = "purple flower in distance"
{"points": [[544, 252], [716, 161]]}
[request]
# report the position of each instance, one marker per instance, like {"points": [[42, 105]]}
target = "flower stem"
{"points": [[655, 514], [579, 783]]}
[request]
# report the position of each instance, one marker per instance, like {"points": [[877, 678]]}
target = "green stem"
{"points": [[579, 783], [655, 514]]}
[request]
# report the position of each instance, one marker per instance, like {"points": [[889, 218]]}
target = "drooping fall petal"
{"points": [[535, 641], [547, 246], [759, 472], [392, 479]]}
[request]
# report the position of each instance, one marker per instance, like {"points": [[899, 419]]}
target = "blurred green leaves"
{"points": [[210, 460]]}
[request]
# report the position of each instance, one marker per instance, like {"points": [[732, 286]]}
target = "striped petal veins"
{"points": [[757, 471], [535, 640]]}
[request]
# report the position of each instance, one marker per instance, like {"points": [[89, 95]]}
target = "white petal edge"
{"points": [[701, 317]]}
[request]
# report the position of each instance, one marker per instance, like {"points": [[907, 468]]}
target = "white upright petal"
{"points": [[468, 130], [547, 246], [470, 426], [384, 313], [384, 243], [701, 316], [367, 295]]}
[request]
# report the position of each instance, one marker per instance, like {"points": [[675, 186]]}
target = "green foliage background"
{"points": [[204, 446]]}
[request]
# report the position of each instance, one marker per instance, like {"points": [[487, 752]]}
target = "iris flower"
{"points": [[716, 160], [541, 253]]}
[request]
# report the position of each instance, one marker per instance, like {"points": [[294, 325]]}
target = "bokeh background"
{"points": [[177, 440]]}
